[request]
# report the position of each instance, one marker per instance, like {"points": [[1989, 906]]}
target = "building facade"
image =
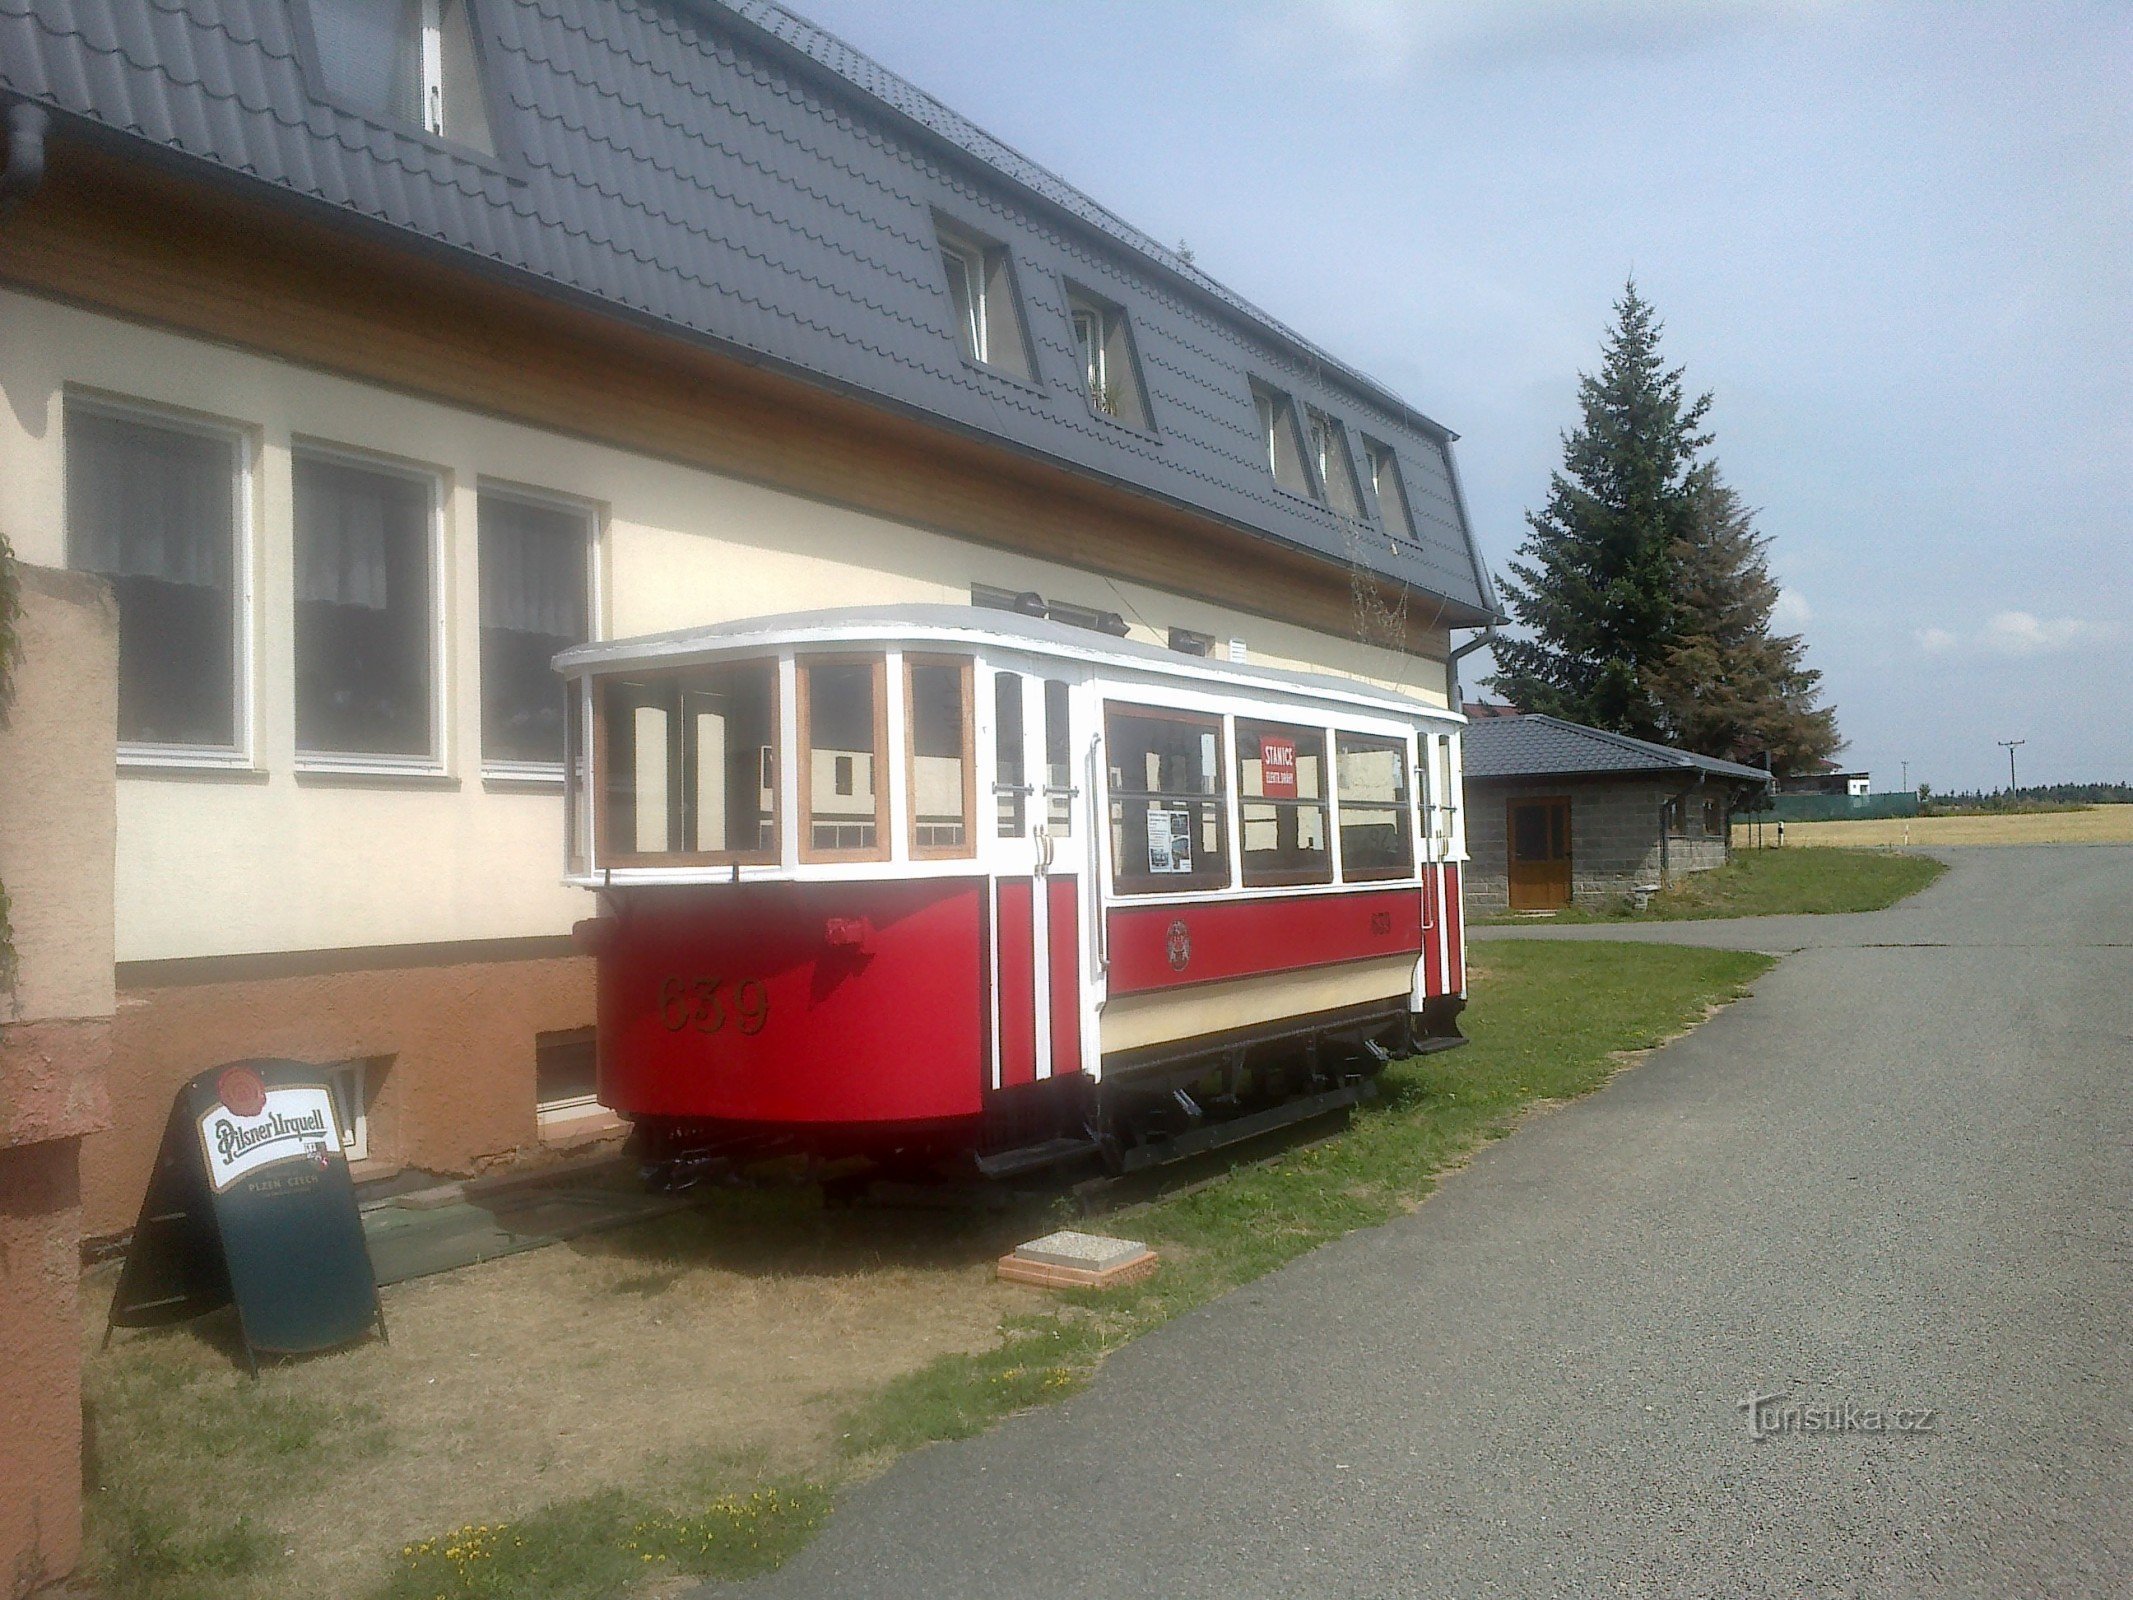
{"points": [[373, 354]]}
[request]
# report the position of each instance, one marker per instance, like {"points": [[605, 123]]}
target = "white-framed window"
{"points": [[159, 506], [369, 613], [1391, 490], [537, 559], [1103, 345], [982, 299], [1280, 439], [566, 1075], [1336, 468], [409, 61], [351, 1086]]}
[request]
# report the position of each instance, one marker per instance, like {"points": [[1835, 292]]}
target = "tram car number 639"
{"points": [[936, 884]]}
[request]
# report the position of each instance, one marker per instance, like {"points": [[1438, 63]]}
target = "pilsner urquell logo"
{"points": [[231, 1140]]}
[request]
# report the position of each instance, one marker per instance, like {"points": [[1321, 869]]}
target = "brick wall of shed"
{"points": [[1614, 838]]}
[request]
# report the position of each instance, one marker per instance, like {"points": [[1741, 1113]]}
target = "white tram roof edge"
{"points": [[974, 628]]}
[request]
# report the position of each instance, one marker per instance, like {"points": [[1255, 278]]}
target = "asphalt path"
{"points": [[1897, 1178]]}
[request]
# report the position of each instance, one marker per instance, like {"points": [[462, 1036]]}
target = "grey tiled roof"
{"points": [[728, 170], [1548, 747]]}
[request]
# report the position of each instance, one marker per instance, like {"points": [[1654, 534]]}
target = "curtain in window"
{"points": [[532, 569], [149, 502], [345, 517], [370, 53]]}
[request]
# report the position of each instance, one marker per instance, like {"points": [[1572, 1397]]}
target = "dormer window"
{"points": [[1280, 439], [1336, 468], [405, 61], [1391, 492], [1103, 343], [981, 296]]}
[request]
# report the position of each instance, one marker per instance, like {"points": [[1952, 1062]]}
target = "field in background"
{"points": [[2091, 825]]}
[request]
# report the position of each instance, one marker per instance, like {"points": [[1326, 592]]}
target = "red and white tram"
{"points": [[933, 880]]}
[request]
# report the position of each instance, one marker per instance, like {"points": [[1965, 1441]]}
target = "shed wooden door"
{"points": [[1539, 836]]}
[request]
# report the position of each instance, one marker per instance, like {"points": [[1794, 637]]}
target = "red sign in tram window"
{"points": [[1277, 766]]}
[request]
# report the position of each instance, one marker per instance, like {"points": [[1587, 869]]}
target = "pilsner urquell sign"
{"points": [[251, 1204]]}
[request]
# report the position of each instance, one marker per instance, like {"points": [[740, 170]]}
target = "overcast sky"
{"points": [[1895, 241]]}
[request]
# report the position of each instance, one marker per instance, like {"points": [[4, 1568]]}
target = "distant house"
{"points": [[1558, 812], [1827, 778]]}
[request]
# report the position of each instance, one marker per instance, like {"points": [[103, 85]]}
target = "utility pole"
{"points": [[2010, 745]]}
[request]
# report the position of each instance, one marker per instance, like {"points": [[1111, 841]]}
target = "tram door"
{"points": [[1042, 822]]}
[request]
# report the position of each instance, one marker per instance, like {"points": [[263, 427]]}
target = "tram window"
{"points": [[639, 800], [1371, 775], [1281, 791], [841, 711], [1058, 762], [730, 729], [690, 772], [940, 762], [1168, 829], [1011, 782]]}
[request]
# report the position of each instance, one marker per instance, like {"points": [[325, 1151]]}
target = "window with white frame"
{"points": [[1280, 441], [409, 61], [1386, 483], [536, 569], [1336, 469], [1103, 344], [366, 611], [157, 507], [982, 300]]}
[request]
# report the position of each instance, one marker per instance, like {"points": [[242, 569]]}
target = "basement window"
{"points": [[981, 296], [1103, 344], [1280, 440], [566, 1074], [410, 61], [1336, 468], [1391, 491]]}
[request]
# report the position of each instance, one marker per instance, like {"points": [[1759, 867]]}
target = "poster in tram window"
{"points": [[1169, 840], [1277, 767]]}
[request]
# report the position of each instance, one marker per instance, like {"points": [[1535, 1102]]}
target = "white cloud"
{"points": [[2019, 633], [1792, 612]]}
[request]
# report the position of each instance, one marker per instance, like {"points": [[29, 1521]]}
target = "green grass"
{"points": [[1549, 1022], [221, 1460], [607, 1544], [1798, 880]]}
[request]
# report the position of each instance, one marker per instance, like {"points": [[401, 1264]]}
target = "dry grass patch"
{"points": [[2112, 824]]}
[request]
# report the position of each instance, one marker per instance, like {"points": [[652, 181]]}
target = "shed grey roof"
{"points": [[1548, 747], [729, 171]]}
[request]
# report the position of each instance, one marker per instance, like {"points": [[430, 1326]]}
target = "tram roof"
{"points": [[975, 628]]}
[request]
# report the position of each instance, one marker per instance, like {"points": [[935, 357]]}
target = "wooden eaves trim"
{"points": [[140, 241]]}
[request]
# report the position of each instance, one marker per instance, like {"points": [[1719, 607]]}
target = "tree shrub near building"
{"points": [[1645, 589]]}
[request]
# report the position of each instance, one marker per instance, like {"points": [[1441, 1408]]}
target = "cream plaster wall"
{"points": [[267, 859]]}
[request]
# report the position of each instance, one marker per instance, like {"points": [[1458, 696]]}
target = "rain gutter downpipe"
{"points": [[27, 124], [1487, 635]]}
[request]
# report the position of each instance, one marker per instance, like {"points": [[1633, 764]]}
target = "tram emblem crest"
{"points": [[1179, 944]]}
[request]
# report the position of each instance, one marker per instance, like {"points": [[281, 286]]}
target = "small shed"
{"points": [[1558, 812]]}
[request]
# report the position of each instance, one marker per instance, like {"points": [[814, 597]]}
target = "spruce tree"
{"points": [[1593, 582], [1727, 686]]}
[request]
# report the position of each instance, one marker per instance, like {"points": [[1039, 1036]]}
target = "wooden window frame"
{"points": [[804, 665], [1197, 881], [965, 668], [1283, 877], [601, 856], [1404, 748]]}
